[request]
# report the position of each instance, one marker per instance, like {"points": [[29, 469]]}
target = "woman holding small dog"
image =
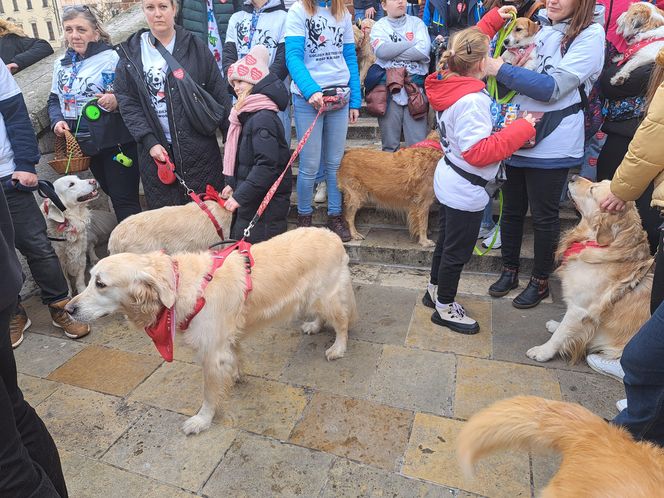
{"points": [[321, 59], [570, 56], [79, 78], [473, 154]]}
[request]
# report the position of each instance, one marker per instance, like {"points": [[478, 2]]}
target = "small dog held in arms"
{"points": [[76, 231], [365, 54], [642, 26], [606, 279], [520, 44], [303, 272], [397, 181], [599, 460]]}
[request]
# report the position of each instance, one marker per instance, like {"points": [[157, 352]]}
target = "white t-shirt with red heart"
{"points": [[406, 28]]}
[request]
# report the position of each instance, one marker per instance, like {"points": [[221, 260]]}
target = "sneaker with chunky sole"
{"points": [[18, 324], [489, 238], [429, 298], [606, 366], [61, 319], [621, 404], [454, 317], [485, 231]]}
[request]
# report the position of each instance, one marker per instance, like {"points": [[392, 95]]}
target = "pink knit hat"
{"points": [[252, 68]]}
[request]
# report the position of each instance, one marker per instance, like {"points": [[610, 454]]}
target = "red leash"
{"points": [[210, 195]]}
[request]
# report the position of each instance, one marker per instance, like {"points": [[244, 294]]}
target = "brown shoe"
{"points": [[338, 225], [303, 220], [19, 323], [61, 319]]}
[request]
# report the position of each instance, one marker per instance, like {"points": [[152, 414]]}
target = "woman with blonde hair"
{"points": [[321, 58], [17, 50]]}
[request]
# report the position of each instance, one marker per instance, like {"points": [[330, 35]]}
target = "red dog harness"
{"points": [[633, 49], [427, 144], [577, 247], [210, 195], [162, 330]]}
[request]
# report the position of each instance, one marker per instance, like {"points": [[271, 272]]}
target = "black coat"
{"points": [[262, 155], [196, 157], [23, 51]]}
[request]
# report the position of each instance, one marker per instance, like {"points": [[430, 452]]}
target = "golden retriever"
{"points": [[599, 460], [172, 229], [606, 288], [365, 54], [303, 272], [520, 44], [401, 180]]}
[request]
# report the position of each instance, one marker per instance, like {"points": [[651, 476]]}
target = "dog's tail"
{"points": [[528, 422]]}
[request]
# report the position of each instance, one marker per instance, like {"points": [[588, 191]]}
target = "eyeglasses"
{"points": [[77, 8]]}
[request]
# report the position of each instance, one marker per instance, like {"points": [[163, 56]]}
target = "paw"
{"points": [[311, 327], [427, 243], [335, 352], [618, 79], [195, 424], [356, 236], [539, 353], [552, 326]]}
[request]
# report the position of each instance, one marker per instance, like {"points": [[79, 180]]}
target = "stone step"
{"points": [[364, 128]]}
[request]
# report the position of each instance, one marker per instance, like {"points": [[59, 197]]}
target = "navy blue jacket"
{"points": [[20, 133]]}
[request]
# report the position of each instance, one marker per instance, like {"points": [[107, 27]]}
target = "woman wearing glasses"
{"points": [[85, 73]]}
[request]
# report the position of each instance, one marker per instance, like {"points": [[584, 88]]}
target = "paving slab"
{"points": [[39, 354], [86, 422], [106, 370], [36, 390], [156, 447], [384, 313], [596, 392], [116, 332], [357, 429], [364, 274], [424, 334], [415, 380], [255, 466], [352, 480], [544, 467], [431, 455], [347, 376], [266, 352], [482, 382]]}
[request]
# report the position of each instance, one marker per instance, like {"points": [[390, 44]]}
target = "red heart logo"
{"points": [[461, 7], [321, 38], [245, 39], [242, 70], [256, 73], [410, 36], [230, 71], [179, 73], [250, 59]]}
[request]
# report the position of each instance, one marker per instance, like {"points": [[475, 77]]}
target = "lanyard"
{"points": [[75, 67], [254, 24]]}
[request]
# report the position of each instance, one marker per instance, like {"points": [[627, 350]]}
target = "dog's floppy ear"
{"points": [[533, 28], [605, 233], [163, 286], [52, 212]]}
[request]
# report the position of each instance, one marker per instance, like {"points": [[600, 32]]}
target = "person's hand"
{"points": [[107, 101], [370, 13], [60, 128], [13, 67], [612, 203], [227, 192], [353, 114], [25, 178], [316, 100], [231, 204], [530, 118], [493, 65], [159, 153], [506, 11]]}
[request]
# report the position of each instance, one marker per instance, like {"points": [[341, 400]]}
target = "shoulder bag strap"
{"points": [[172, 62], [474, 179]]}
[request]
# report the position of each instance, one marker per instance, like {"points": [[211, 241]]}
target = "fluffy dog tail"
{"points": [[525, 423]]}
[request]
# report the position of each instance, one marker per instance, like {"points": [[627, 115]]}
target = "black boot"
{"points": [[509, 279], [538, 289]]}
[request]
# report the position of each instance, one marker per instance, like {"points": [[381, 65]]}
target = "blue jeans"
{"points": [[487, 216], [325, 148], [413, 9], [359, 13], [643, 363]]}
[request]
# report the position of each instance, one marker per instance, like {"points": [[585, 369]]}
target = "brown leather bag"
{"points": [[395, 79], [377, 100], [418, 106]]}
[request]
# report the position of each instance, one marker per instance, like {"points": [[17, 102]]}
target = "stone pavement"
{"points": [[381, 421]]}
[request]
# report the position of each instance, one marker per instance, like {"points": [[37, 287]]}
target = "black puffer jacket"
{"points": [[22, 50], [192, 16], [262, 155], [197, 158]]}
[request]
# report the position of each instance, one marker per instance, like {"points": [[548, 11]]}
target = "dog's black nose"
{"points": [[573, 178]]}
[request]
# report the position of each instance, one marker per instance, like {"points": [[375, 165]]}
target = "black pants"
{"points": [[454, 248], [117, 181], [29, 460], [541, 190], [657, 294], [609, 159], [31, 241]]}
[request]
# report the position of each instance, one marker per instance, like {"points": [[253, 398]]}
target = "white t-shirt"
{"points": [[270, 30], [465, 123], [155, 70], [86, 83], [8, 89], [324, 39], [396, 30]]}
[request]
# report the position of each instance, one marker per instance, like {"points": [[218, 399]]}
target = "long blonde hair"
{"points": [[468, 47], [338, 8], [242, 97], [656, 79], [9, 28]]}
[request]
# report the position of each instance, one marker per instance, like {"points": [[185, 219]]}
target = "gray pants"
{"points": [[397, 118]]}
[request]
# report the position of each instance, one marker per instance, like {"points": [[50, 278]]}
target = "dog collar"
{"points": [[577, 247], [633, 49], [427, 144], [521, 53]]}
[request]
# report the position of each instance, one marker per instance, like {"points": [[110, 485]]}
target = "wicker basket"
{"points": [[69, 157]]}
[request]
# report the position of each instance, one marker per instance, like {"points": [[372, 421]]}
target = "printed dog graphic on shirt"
{"points": [[86, 87], [316, 39], [261, 37], [154, 78]]}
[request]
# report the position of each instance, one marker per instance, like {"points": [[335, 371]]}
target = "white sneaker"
{"points": [[454, 317], [321, 192], [497, 243], [485, 231], [429, 299], [621, 404], [605, 366]]}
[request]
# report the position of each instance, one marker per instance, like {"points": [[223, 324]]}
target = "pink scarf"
{"points": [[252, 103]]}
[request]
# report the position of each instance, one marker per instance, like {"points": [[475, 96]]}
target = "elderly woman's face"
{"points": [[79, 32], [160, 15], [559, 10]]}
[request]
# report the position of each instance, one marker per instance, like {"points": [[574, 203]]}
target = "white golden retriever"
{"points": [[74, 226], [605, 277], [303, 272]]}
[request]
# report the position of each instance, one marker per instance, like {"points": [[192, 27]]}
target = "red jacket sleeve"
{"points": [[491, 23], [499, 145]]}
